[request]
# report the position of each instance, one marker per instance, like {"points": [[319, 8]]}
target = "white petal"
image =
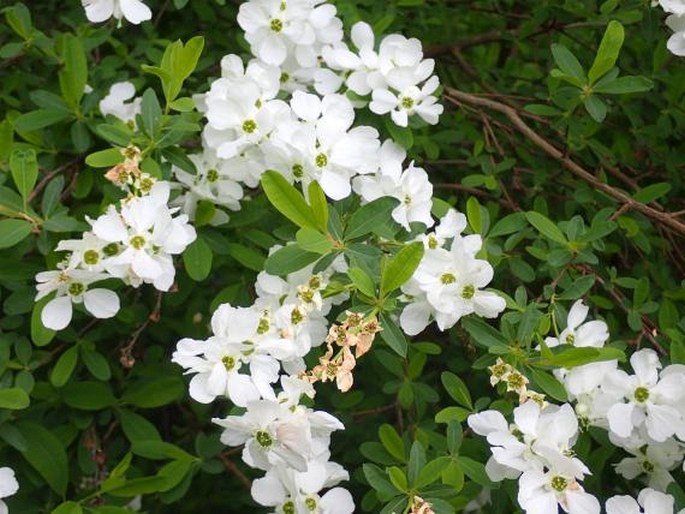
{"points": [[620, 419], [101, 303], [337, 501], [57, 313], [622, 505], [268, 491], [488, 421], [414, 318], [135, 11], [577, 314], [645, 363]]}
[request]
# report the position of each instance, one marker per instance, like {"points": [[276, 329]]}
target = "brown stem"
{"points": [[664, 218], [231, 466]]}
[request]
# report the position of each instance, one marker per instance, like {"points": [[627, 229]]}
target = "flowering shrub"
{"points": [[301, 269]]}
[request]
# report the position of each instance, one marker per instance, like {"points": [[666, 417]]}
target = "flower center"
{"points": [[249, 126], [648, 466], [264, 439], [571, 338], [146, 184], [516, 380], [641, 394], [76, 289], [228, 362], [212, 175], [288, 507], [432, 242], [263, 326], [111, 249], [298, 171], [407, 102], [276, 25], [448, 278], [137, 242], [321, 160], [558, 483], [296, 316], [468, 292], [310, 503], [91, 257]]}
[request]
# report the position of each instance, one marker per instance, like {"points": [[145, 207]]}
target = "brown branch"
{"points": [[664, 218], [44, 181], [231, 466]]}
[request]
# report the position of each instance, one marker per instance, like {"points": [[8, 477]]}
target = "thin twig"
{"points": [[231, 466], [664, 218]]}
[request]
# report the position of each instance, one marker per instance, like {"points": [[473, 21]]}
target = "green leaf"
{"points": [[457, 389], [579, 287], [431, 471], [51, 195], [508, 225], [546, 227], [24, 167], [455, 436], [74, 75], [88, 395], [625, 85], [392, 441], [596, 108], [392, 335], [160, 450], [397, 478], [105, 158], [39, 119], [154, 392], [68, 508], [312, 240], [485, 335], [549, 385], [401, 267], [197, 259], [150, 113], [13, 232], [362, 281], [378, 480], [368, 217], [247, 257], [417, 461], [137, 428], [287, 200], [139, 486], [473, 214], [652, 192], [319, 206], [6, 140], [46, 454], [64, 367], [184, 104], [474, 470], [608, 51], [14, 398], [452, 413], [568, 63], [571, 356], [40, 334], [288, 259], [96, 364]]}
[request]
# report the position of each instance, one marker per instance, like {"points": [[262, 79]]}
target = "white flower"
{"points": [[651, 461], [544, 492], [71, 286], [115, 103], [407, 100], [673, 6], [134, 11], [219, 361], [653, 502], [8, 487], [676, 43], [648, 399], [291, 491], [591, 334]]}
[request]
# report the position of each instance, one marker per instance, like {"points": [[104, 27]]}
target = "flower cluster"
{"points": [[644, 414], [448, 283], [133, 242], [253, 348], [676, 22], [537, 449]]}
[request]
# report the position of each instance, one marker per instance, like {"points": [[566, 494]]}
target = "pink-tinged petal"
{"points": [[101, 303], [135, 11], [57, 313]]}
